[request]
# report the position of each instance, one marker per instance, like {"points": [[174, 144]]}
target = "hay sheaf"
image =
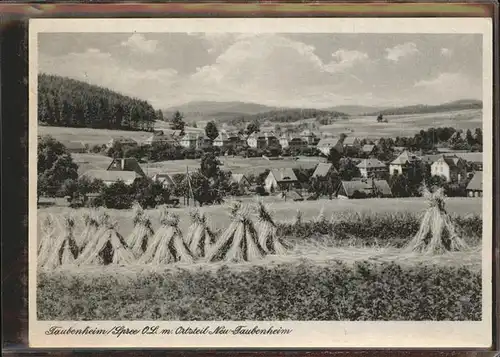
{"points": [[167, 245], [437, 234]]}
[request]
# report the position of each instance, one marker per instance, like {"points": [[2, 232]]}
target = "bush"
{"points": [[305, 292], [117, 196]]}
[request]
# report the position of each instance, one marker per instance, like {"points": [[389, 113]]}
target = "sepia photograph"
{"points": [[260, 182]]}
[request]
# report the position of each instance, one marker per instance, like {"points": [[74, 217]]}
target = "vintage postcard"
{"points": [[260, 183]]}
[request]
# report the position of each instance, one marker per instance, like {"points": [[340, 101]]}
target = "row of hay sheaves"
{"points": [[101, 244]]}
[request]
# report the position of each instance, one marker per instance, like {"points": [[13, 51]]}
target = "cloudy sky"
{"points": [[294, 70]]}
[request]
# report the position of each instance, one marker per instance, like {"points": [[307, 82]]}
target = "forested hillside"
{"points": [[286, 116], [424, 109], [68, 102]]}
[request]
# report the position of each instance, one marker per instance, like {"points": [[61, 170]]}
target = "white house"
{"points": [[453, 168], [164, 179], [189, 141], [280, 180], [403, 162], [257, 141]]}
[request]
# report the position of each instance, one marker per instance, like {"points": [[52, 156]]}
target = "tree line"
{"points": [[72, 103]]}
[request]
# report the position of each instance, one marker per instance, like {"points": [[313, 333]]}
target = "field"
{"points": [[351, 265], [285, 211], [405, 125], [234, 164], [99, 136]]}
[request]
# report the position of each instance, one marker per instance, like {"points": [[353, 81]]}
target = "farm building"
{"points": [[352, 142], [368, 149], [453, 168], [309, 137], [203, 142], [475, 158], [363, 189], [325, 145], [162, 138], [241, 180], [475, 186], [75, 147], [372, 168], [122, 141], [280, 180], [284, 140], [257, 140], [271, 140], [111, 177], [189, 141], [293, 195], [164, 179], [403, 162], [126, 164], [222, 140], [323, 170]]}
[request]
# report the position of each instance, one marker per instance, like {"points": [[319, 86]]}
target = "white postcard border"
{"points": [[305, 334]]}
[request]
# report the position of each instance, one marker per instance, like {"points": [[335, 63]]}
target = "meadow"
{"points": [[404, 125], [100, 136], [234, 164]]}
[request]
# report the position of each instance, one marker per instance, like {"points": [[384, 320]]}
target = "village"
{"points": [[373, 164]]}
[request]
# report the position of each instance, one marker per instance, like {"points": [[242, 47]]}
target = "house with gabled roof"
{"points": [[372, 168], [165, 179], [323, 170], [351, 141], [363, 189], [122, 140], [126, 164], [475, 186], [280, 180], [452, 168], [189, 141], [161, 138], [403, 162], [368, 149], [326, 144], [241, 180]]}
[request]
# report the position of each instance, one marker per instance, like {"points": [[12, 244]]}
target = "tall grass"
{"points": [[303, 292]]}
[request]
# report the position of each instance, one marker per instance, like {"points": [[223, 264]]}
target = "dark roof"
{"points": [[238, 178], [126, 164], [323, 169], [285, 174], [367, 163], [366, 186], [163, 178], [476, 183]]}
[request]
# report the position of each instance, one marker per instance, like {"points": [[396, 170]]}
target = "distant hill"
{"points": [[356, 109], [212, 109], [423, 109]]}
